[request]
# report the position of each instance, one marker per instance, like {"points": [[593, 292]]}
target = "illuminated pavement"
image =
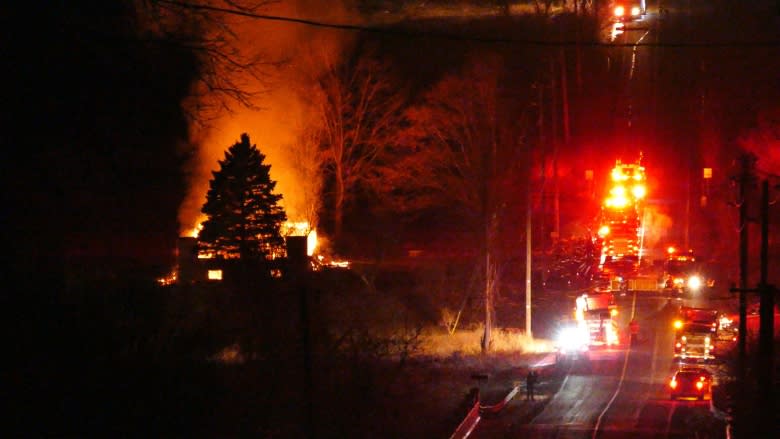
{"points": [[616, 393]]}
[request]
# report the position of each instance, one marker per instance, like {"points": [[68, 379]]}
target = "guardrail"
{"points": [[469, 423]]}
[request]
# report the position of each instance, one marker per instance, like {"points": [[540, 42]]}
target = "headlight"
{"points": [[612, 338], [572, 339], [694, 282], [639, 191]]}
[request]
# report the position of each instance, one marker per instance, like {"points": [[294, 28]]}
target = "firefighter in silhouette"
{"points": [[633, 328], [530, 382]]}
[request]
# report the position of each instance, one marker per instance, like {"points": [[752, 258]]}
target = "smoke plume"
{"points": [[657, 225], [282, 117]]}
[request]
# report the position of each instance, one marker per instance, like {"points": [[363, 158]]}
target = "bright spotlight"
{"points": [[694, 282]]}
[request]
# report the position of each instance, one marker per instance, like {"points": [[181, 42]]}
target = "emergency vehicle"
{"points": [[627, 10], [621, 230], [695, 333], [597, 314], [682, 273]]}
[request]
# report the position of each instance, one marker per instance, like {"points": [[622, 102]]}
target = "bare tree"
{"points": [[465, 144], [360, 111], [543, 7], [228, 72], [306, 159]]}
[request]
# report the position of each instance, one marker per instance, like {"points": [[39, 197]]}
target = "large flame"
{"points": [[282, 116], [289, 228], [302, 228]]}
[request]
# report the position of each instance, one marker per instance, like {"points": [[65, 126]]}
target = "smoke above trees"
{"points": [[277, 114]]}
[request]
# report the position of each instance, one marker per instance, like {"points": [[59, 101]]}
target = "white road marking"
{"points": [[622, 378], [633, 55], [669, 418]]}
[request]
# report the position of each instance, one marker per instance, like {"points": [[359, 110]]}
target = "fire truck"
{"points": [[627, 10], [620, 231], [596, 314], [594, 325], [682, 273], [695, 333]]}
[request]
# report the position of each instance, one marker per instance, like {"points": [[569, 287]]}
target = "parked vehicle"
{"points": [[691, 382]]}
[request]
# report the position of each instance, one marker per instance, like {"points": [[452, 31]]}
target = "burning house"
{"points": [[194, 266]]}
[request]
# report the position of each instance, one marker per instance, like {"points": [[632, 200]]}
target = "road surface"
{"points": [[618, 393]]}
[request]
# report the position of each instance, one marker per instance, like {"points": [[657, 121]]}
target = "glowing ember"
{"points": [[195, 231], [170, 279], [289, 228], [302, 228]]}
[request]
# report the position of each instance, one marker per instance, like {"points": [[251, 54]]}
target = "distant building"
{"points": [[195, 267]]}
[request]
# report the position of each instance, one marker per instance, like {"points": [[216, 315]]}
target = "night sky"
{"points": [[94, 124], [96, 138], [97, 151]]}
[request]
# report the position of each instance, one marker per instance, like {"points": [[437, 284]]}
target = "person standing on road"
{"points": [[530, 381], [634, 330]]}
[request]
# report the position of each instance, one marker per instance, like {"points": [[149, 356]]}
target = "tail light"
{"points": [[673, 384], [619, 11], [678, 345], [699, 384], [635, 10]]}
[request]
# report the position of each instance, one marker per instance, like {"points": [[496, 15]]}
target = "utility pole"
{"points": [[766, 313], [554, 140], [528, 255], [745, 178], [747, 162], [765, 364], [566, 136], [687, 231]]}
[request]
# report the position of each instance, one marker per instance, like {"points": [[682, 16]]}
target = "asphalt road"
{"points": [[618, 393]]}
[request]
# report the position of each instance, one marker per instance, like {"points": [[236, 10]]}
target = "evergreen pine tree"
{"points": [[243, 214]]}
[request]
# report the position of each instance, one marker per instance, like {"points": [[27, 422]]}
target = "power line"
{"points": [[465, 38]]}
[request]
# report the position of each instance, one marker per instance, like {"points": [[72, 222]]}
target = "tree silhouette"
{"points": [[466, 149], [360, 109], [243, 212]]}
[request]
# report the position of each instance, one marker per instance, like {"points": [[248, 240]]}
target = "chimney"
{"points": [[297, 257], [187, 259]]}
